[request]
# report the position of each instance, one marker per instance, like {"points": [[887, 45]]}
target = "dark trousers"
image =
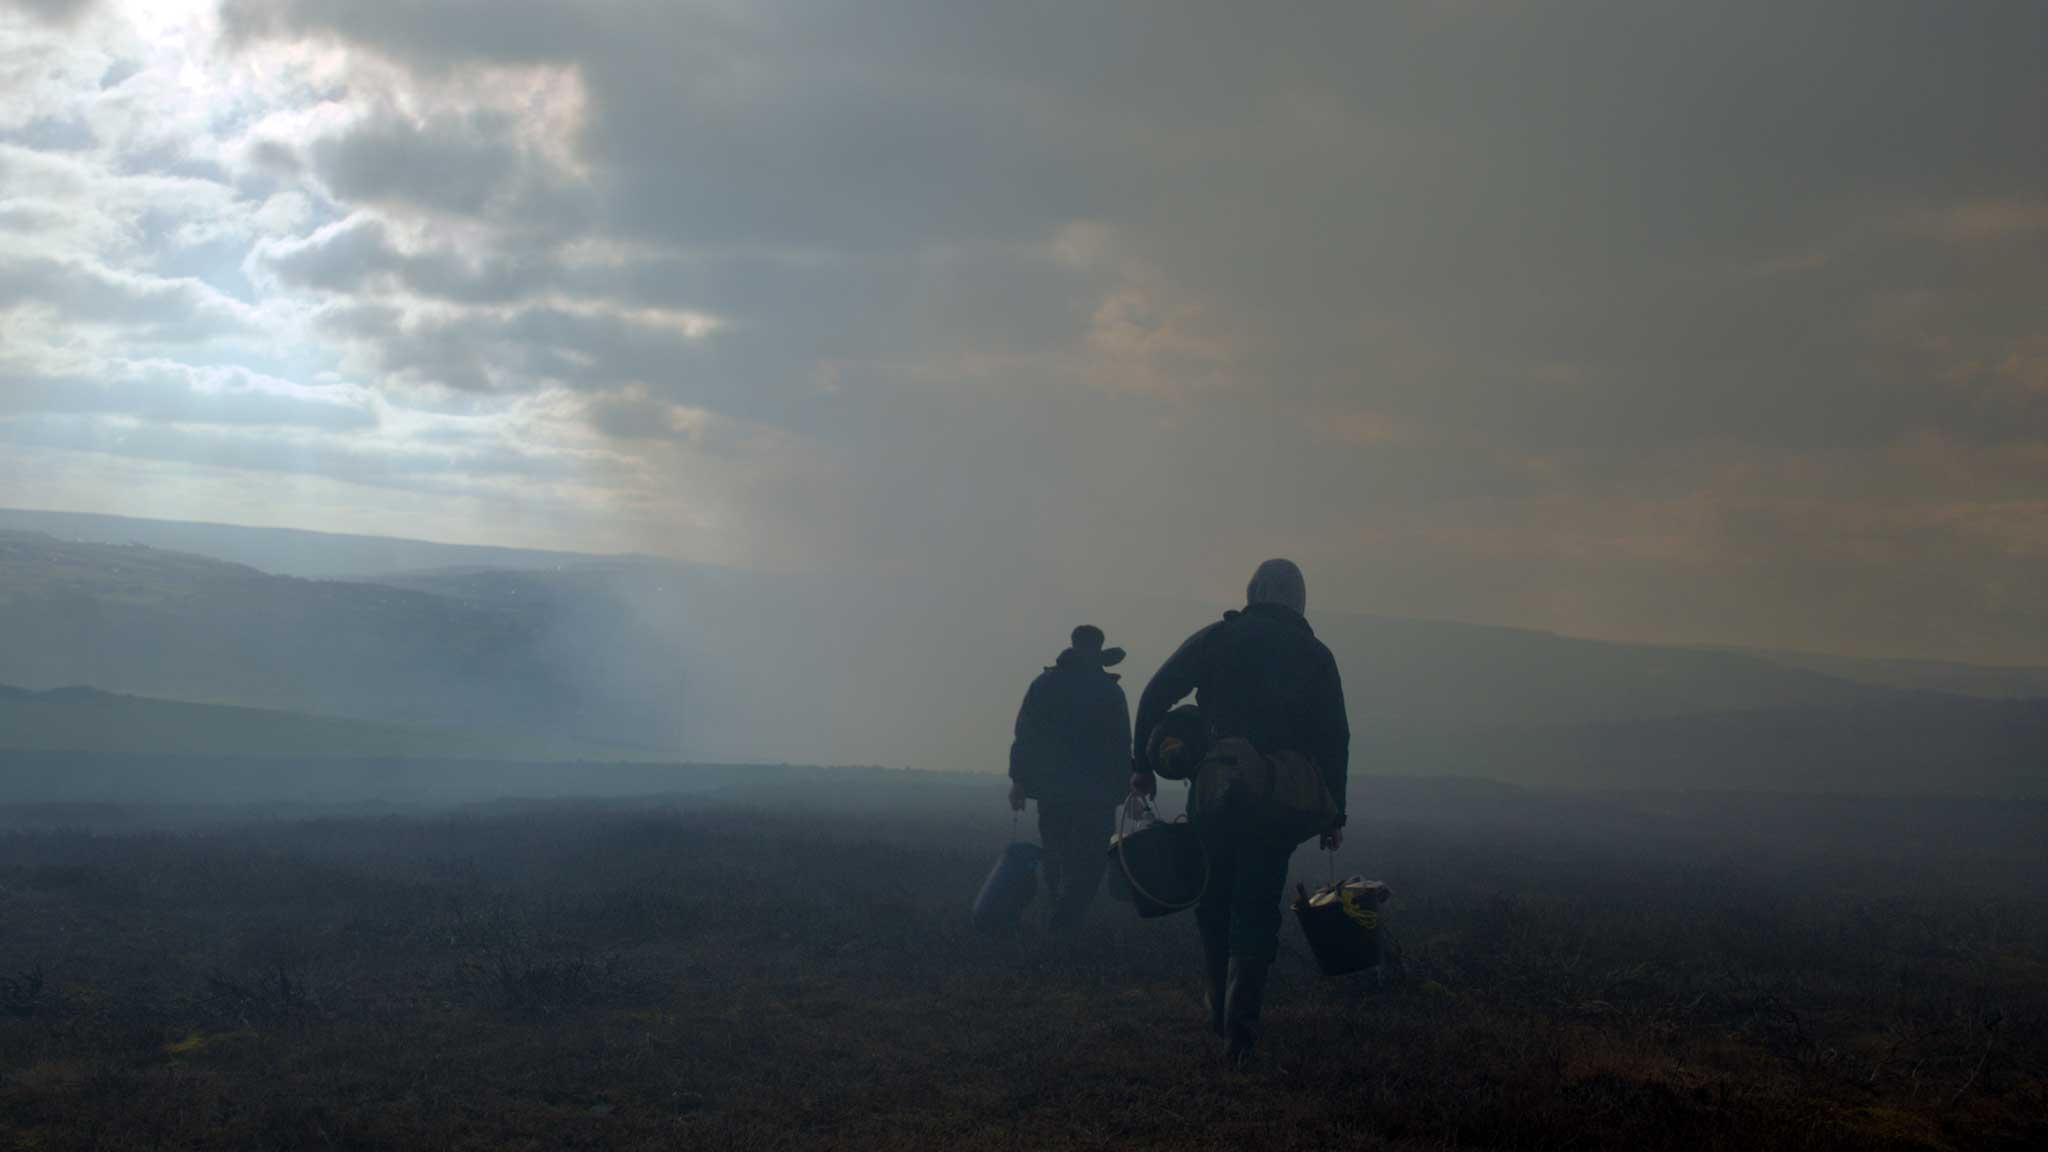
{"points": [[1075, 838], [1240, 910]]}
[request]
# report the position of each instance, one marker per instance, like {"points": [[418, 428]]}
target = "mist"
{"points": [[550, 557]]}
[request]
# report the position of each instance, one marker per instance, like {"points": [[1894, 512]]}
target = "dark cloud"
{"points": [[58, 12], [461, 164], [275, 157]]}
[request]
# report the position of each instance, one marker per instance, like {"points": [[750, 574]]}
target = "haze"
{"points": [[525, 526], [1712, 323]]}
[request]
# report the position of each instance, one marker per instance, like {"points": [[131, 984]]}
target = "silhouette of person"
{"points": [[1260, 675], [1072, 739]]}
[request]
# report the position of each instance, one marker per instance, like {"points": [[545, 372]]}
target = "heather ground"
{"points": [[791, 966]]}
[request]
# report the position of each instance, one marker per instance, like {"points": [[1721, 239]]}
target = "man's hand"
{"points": [[1144, 784], [1016, 796], [1333, 839]]}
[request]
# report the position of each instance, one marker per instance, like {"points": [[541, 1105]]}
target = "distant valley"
{"points": [[496, 649]]}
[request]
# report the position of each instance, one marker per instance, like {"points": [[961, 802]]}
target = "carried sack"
{"points": [[1282, 795]]}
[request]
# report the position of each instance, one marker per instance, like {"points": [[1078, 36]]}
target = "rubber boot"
{"points": [[1216, 977], [1245, 992]]}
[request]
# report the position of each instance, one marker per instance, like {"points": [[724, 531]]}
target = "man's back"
{"points": [[1071, 733], [1068, 755], [1261, 674]]}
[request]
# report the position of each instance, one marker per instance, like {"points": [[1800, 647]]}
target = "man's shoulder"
{"points": [[1208, 632], [1327, 658]]}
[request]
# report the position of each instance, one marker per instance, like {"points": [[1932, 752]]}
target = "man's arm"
{"points": [[1114, 731], [1027, 746], [1028, 739], [1174, 680]]}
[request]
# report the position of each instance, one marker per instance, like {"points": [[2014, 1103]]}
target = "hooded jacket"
{"points": [[1073, 735], [1262, 675]]}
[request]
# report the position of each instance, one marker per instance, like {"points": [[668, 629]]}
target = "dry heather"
{"points": [[714, 975]]}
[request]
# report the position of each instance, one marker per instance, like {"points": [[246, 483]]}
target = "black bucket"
{"points": [[1161, 864], [1342, 923]]}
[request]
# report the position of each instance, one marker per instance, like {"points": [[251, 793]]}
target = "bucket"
{"points": [[1161, 864], [1009, 888], [1342, 924]]}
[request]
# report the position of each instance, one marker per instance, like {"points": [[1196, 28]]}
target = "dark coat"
{"points": [[1262, 675], [1073, 735]]}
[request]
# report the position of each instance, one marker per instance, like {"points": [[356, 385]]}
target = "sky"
{"points": [[1715, 323]]}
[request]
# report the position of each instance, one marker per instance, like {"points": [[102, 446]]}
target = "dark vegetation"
{"points": [[744, 968], [87, 721]]}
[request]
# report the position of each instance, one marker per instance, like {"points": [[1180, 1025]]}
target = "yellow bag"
{"points": [[1282, 794]]}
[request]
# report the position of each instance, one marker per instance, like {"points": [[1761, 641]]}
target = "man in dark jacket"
{"points": [[1260, 675], [1073, 739]]}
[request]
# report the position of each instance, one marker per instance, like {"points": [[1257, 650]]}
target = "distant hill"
{"points": [[157, 623], [1445, 673], [779, 658], [280, 551], [91, 721], [1923, 745], [712, 664], [1985, 681]]}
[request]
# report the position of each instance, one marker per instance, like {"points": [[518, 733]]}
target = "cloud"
{"points": [[522, 347], [1979, 219], [1489, 312], [479, 161], [85, 294], [631, 414], [58, 12], [174, 393]]}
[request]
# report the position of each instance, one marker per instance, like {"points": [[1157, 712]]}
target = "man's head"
{"points": [[1278, 582], [1086, 642]]}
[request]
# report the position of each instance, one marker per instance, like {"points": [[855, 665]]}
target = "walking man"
{"points": [[1259, 675], [1071, 748]]}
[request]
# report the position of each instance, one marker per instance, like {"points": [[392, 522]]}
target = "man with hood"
{"points": [[1070, 752], [1259, 675]]}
